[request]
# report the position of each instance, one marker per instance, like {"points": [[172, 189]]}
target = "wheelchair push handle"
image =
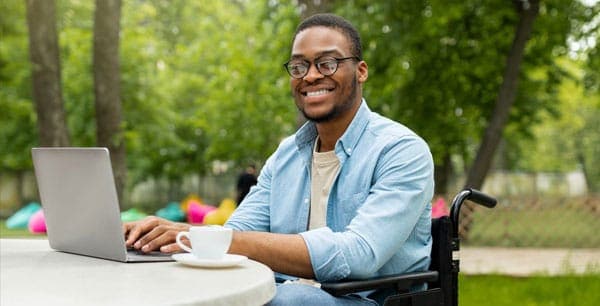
{"points": [[482, 198], [473, 195]]}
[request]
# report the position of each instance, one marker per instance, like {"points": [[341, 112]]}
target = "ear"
{"points": [[362, 70]]}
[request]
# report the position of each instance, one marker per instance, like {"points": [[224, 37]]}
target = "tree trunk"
{"points": [[107, 88], [45, 74], [528, 11], [442, 175], [580, 156]]}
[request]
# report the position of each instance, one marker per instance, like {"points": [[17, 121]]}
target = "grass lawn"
{"points": [[16, 233], [498, 290]]}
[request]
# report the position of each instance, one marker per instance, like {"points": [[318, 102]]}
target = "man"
{"points": [[347, 196]]}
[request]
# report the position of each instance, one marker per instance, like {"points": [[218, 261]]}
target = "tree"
{"points": [[527, 11], [567, 140], [433, 67], [203, 82], [45, 71], [107, 86], [17, 115], [588, 146], [437, 67]]}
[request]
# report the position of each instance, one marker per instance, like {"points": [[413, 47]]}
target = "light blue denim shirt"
{"points": [[379, 208]]}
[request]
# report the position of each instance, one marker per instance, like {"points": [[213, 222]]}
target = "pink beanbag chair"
{"points": [[37, 223], [197, 212], [439, 208]]}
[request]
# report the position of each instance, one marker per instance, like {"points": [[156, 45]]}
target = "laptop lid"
{"points": [[80, 202]]}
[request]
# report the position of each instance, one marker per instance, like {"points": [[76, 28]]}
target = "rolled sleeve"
{"points": [[326, 255]]}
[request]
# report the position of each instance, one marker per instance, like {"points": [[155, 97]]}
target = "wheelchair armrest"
{"points": [[398, 281]]}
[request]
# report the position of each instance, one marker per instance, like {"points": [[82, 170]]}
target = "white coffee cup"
{"points": [[208, 242]]}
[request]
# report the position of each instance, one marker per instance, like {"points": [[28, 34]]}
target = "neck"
{"points": [[331, 131]]}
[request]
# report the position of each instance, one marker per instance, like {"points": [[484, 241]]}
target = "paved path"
{"points": [[528, 261]]}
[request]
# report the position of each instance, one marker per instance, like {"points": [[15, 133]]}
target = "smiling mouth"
{"points": [[316, 93]]}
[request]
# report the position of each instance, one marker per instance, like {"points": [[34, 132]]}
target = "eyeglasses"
{"points": [[298, 68]]}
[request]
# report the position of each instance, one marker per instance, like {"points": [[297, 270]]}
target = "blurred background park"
{"points": [[186, 94]]}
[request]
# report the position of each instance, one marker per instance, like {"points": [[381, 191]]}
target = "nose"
{"points": [[313, 74]]}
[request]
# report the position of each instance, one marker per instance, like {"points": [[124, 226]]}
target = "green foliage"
{"points": [[566, 138], [585, 38], [437, 66], [202, 81], [75, 28], [18, 131]]}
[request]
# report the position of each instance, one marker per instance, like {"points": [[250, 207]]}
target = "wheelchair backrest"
{"points": [[441, 256]]}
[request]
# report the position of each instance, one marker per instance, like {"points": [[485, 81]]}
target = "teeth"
{"points": [[317, 93]]}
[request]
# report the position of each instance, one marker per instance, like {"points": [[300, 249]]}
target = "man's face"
{"points": [[324, 98]]}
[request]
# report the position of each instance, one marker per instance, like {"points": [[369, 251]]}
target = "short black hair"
{"points": [[335, 22]]}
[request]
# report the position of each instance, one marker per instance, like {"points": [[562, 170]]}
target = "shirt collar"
{"points": [[307, 134]]}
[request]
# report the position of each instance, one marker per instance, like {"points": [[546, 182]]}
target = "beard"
{"points": [[337, 109]]}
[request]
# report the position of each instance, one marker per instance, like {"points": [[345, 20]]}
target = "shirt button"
{"points": [[305, 200], [349, 151]]}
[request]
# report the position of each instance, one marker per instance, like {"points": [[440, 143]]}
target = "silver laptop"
{"points": [[80, 204]]}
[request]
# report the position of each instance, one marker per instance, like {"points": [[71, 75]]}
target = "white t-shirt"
{"points": [[324, 169]]}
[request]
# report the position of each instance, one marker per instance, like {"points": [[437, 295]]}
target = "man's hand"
{"points": [[153, 233]]}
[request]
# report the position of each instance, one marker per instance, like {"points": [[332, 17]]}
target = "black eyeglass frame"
{"points": [[318, 64]]}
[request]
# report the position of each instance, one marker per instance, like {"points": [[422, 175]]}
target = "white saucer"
{"points": [[228, 260]]}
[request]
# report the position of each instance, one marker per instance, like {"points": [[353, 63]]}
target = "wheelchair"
{"points": [[442, 276]]}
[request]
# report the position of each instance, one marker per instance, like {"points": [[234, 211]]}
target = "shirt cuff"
{"points": [[327, 259]]}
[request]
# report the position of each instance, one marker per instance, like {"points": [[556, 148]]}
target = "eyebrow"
{"points": [[319, 54]]}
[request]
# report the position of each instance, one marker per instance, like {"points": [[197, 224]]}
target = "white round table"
{"points": [[33, 274]]}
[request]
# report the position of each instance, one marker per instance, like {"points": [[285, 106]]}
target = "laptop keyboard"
{"points": [[137, 255]]}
